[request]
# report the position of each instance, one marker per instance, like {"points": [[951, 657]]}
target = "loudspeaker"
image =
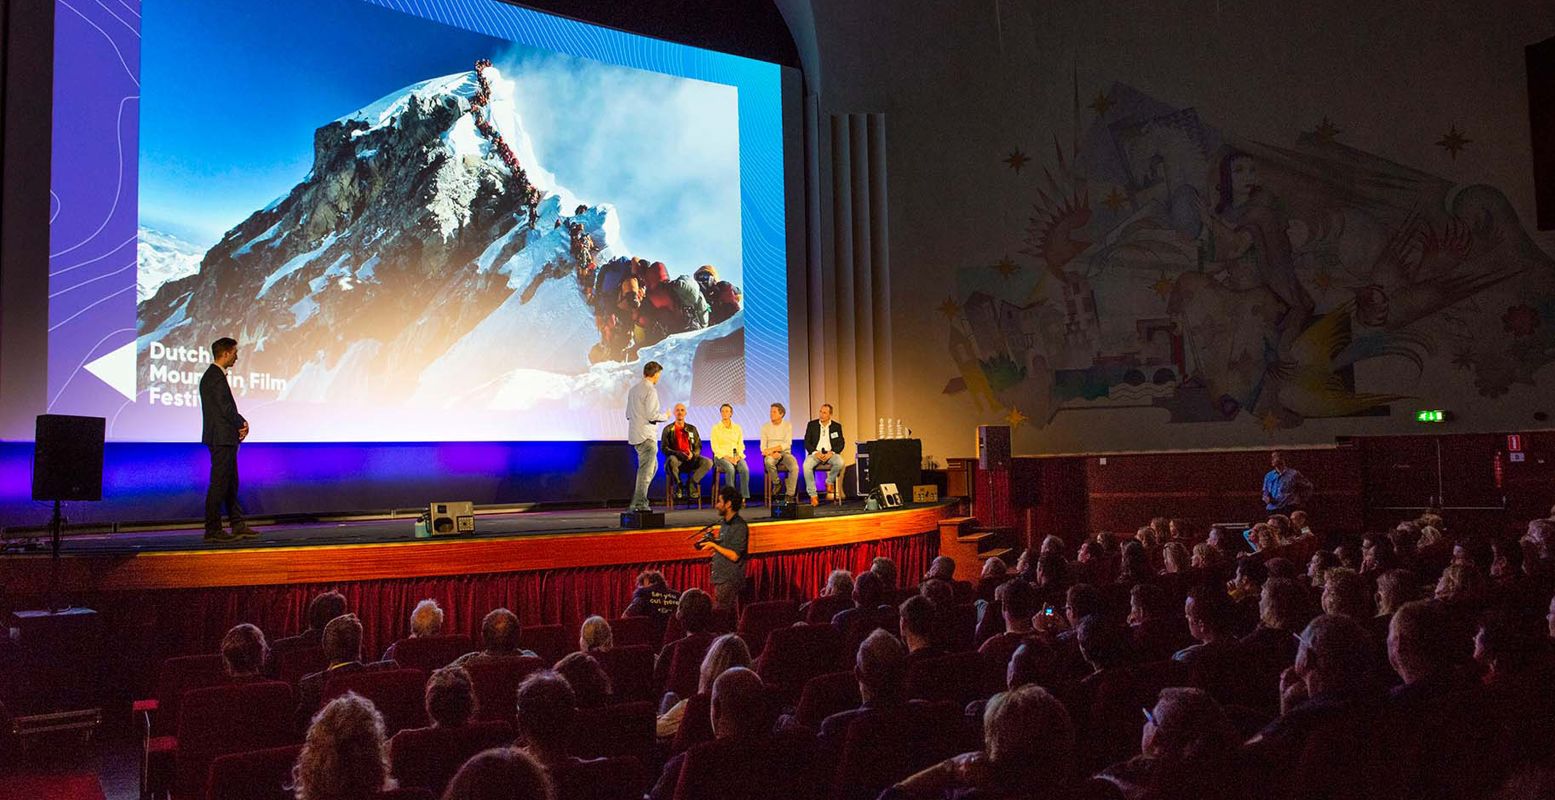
{"points": [[448, 519], [67, 458], [793, 511], [898, 461], [993, 446], [642, 520], [1541, 124]]}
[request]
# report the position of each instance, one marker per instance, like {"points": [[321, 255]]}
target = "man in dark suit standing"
{"points": [[223, 428]]}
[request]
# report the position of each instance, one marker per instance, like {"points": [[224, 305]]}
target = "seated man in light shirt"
{"points": [[777, 444], [824, 443], [729, 450]]}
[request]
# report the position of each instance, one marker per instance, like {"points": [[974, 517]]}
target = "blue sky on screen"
{"points": [[233, 91]]}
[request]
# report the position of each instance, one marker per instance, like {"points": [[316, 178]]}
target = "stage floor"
{"points": [[387, 531]]}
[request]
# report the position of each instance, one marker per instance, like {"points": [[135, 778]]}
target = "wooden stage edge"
{"points": [[412, 558]]}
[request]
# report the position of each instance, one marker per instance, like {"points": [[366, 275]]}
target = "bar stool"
{"points": [[669, 488], [834, 481], [769, 479]]}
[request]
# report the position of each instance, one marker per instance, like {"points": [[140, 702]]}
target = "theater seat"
{"points": [[427, 758], [496, 681], [820, 610], [696, 724], [405, 794], [174, 677], [631, 671], [957, 678], [430, 653], [881, 749], [549, 642], [796, 654], [396, 693], [253, 775], [759, 619], [776, 767], [685, 663], [625, 729], [219, 720], [602, 779], [825, 695], [633, 631], [292, 664]]}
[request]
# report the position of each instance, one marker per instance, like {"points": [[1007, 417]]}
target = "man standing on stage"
{"points": [[1284, 489], [823, 442], [222, 428], [643, 411], [777, 444], [729, 548]]}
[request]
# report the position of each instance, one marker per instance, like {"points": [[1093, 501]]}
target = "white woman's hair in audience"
{"points": [[426, 619], [725, 653], [595, 635]]}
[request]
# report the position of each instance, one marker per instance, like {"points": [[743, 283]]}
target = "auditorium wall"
{"points": [[1129, 225]]}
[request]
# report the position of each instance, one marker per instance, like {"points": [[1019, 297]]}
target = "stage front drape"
{"points": [[146, 627]]}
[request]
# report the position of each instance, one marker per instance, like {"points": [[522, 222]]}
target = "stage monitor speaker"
{"points": [[642, 520], [898, 461], [993, 446], [1541, 124], [793, 511], [67, 458], [451, 519]]}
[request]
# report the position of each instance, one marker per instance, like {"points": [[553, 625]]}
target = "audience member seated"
{"points": [[885, 569], [344, 756], [695, 614], [243, 653], [1246, 591], [1092, 565], [1512, 648], [745, 752], [1135, 566], [654, 599], [835, 597], [1282, 567], [1156, 628], [547, 713], [1051, 578], [450, 698], [1028, 751], [502, 773], [1426, 649], [921, 629], [1394, 588], [942, 568], [1329, 708], [1462, 590], [426, 619], [1017, 601], [427, 757], [1346, 592], [595, 636], [1105, 646], [725, 653], [343, 650], [995, 573], [1218, 663], [499, 640], [321, 609], [1188, 751], [1271, 648], [590, 685], [881, 670], [1318, 566]]}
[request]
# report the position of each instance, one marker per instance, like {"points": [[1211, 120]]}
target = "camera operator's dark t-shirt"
{"points": [[734, 535]]}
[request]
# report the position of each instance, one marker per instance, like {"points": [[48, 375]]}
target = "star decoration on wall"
{"points": [[1324, 279], [1006, 267], [1453, 141], [1269, 421], [1017, 159], [1326, 131], [1163, 286], [1101, 104], [1015, 418], [1115, 200], [950, 308]]}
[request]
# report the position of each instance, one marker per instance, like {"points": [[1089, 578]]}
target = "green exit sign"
{"points": [[1430, 415]]}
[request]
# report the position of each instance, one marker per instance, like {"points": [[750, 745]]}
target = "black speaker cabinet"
{"points": [[993, 446], [1541, 124], [67, 458], [898, 461]]}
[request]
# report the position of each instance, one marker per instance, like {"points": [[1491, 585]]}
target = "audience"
{"points": [[740, 711], [695, 614], [1188, 751], [426, 619], [450, 698], [243, 653], [725, 653], [920, 628], [342, 643], [881, 671], [503, 773], [344, 756], [590, 685], [595, 635], [499, 640], [884, 569], [835, 597], [1157, 630], [1346, 592], [1017, 604], [942, 568], [1028, 751], [654, 599], [547, 712]]}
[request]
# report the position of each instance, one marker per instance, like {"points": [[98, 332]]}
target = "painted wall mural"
{"points": [[1173, 265]]}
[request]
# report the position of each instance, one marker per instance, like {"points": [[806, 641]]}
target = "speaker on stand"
{"points": [[67, 464]]}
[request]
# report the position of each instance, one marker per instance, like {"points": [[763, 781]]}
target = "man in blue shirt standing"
{"points": [[729, 548], [1284, 489]]}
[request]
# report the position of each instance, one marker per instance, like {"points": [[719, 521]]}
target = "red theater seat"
{"points": [[631, 671], [549, 642], [779, 767], [293, 664], [496, 685], [825, 695], [796, 654], [254, 775], [759, 619], [685, 663], [820, 610], [427, 758], [957, 678], [176, 676], [633, 631], [602, 779], [430, 653], [626, 729], [397, 694], [696, 724], [228, 719]]}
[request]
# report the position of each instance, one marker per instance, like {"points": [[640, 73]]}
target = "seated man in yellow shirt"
{"points": [[729, 450]]}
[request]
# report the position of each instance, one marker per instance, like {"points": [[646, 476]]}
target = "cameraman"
{"points": [[728, 546]]}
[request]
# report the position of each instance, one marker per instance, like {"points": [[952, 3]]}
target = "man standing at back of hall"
{"points": [[222, 428], [643, 411], [1284, 489]]}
